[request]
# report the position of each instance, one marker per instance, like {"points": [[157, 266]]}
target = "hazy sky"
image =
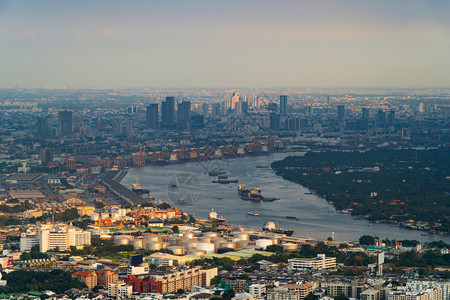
{"points": [[226, 43]]}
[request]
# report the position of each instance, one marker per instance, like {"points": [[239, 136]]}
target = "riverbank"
{"points": [[316, 217]]}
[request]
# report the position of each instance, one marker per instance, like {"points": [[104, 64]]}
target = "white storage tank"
{"points": [[228, 245], [210, 234], [190, 244], [137, 243], [241, 235], [189, 235], [154, 246], [122, 239], [207, 247], [151, 238], [196, 252], [290, 247], [205, 239], [177, 250], [217, 240], [241, 244], [263, 243]]}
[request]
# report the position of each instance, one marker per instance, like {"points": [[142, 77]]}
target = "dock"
{"points": [[112, 179]]}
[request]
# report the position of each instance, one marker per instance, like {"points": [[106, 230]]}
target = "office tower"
{"points": [[197, 121], [380, 118], [391, 118], [328, 99], [117, 127], [129, 126], [46, 156], [274, 121], [184, 115], [341, 113], [241, 107], [151, 116], [216, 110], [309, 110], [205, 109], [65, 122], [234, 99], [168, 113], [283, 105], [421, 107], [365, 113], [42, 128]]}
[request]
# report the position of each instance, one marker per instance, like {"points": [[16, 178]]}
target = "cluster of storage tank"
{"points": [[197, 244]]}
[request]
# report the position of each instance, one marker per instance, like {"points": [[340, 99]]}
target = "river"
{"points": [[317, 218]]}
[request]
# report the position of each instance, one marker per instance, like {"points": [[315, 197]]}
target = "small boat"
{"points": [[252, 214], [291, 217]]}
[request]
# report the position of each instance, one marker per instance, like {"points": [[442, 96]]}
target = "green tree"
{"points": [[227, 295], [216, 280], [367, 240], [175, 229]]}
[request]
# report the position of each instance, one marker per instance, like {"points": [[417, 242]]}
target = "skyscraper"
{"points": [[42, 128], [283, 104], [274, 121], [184, 115], [168, 113], [341, 113], [365, 113], [151, 116], [65, 122]]}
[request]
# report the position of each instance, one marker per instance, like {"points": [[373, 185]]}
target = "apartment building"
{"points": [[52, 236], [307, 264]]}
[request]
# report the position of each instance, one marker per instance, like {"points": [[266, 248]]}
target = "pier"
{"points": [[112, 179]]}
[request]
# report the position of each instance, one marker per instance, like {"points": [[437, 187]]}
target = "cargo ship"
{"points": [[136, 187], [242, 190], [253, 195], [222, 179], [269, 226], [213, 218]]}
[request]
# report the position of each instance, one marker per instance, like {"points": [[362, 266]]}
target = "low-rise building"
{"points": [[87, 277], [319, 263], [120, 289]]}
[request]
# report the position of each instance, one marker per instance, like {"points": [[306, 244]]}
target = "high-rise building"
{"points": [[184, 115], [42, 128], [151, 116], [365, 113], [205, 109], [380, 118], [216, 110], [65, 122], [341, 113], [168, 113], [46, 156], [391, 118], [274, 121], [283, 105]]}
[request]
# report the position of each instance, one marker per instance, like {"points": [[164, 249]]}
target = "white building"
{"points": [[319, 263], [120, 290], [434, 293], [258, 290], [51, 236]]}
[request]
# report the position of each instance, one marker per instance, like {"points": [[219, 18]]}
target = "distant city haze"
{"points": [[258, 44]]}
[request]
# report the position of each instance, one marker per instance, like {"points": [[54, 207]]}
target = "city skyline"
{"points": [[235, 44]]}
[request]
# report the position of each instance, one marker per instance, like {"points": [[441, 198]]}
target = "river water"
{"points": [[318, 219]]}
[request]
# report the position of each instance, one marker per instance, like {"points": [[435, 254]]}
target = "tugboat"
{"points": [[270, 227], [212, 217], [136, 187]]}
